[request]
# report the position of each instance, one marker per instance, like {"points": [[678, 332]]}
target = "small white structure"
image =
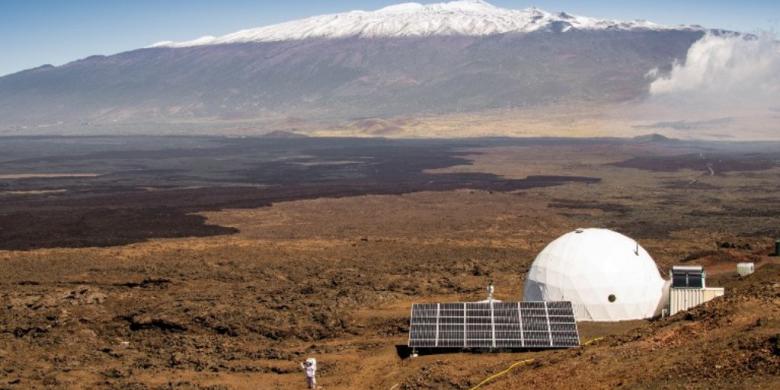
{"points": [[745, 269], [606, 276], [490, 291], [689, 288]]}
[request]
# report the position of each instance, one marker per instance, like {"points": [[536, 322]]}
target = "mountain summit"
{"points": [[408, 60], [465, 17]]}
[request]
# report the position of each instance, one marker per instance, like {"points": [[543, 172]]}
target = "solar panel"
{"points": [[493, 325], [688, 277]]}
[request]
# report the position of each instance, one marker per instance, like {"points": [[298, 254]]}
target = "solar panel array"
{"points": [[490, 325]]}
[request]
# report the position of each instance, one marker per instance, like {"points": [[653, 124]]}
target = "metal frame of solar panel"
{"points": [[493, 325]]}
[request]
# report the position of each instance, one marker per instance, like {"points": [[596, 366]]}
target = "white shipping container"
{"points": [[681, 299]]}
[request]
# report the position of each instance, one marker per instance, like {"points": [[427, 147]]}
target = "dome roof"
{"points": [[606, 275]]}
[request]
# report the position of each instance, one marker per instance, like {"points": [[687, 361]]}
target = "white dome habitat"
{"points": [[606, 276]]}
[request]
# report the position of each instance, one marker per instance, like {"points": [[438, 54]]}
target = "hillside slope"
{"points": [[341, 78]]}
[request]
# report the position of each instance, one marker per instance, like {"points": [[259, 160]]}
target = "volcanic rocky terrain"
{"points": [[223, 263]]}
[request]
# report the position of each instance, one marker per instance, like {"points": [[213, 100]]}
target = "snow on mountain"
{"points": [[464, 17]]}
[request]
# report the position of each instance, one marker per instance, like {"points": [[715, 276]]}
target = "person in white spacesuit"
{"points": [[310, 369]]}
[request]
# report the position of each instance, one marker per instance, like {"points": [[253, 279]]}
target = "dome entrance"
{"points": [[588, 265]]}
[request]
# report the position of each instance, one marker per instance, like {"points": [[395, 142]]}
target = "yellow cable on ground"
{"points": [[490, 378], [521, 363], [592, 341]]}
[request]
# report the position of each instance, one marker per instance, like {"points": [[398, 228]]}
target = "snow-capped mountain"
{"points": [[464, 17], [404, 60]]}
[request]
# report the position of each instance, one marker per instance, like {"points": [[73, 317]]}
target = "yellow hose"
{"points": [[592, 341], [520, 363], [490, 378]]}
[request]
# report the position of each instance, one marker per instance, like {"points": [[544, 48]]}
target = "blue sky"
{"points": [[37, 32]]}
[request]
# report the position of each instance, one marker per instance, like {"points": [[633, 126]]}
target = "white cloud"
{"points": [[727, 87], [723, 71]]}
